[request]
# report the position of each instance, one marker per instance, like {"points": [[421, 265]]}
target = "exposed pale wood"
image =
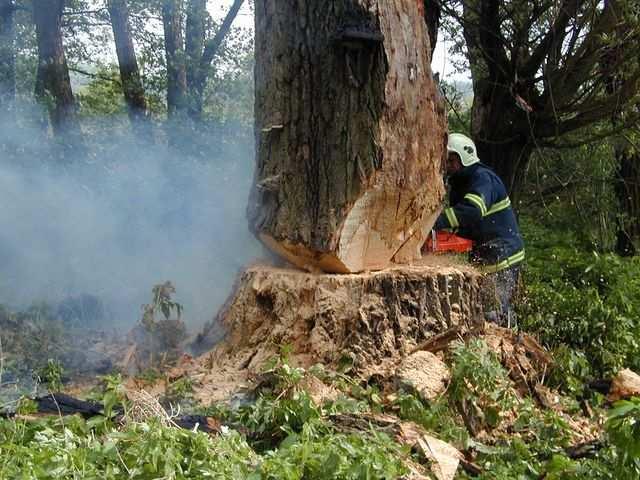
{"points": [[626, 384], [423, 373]]}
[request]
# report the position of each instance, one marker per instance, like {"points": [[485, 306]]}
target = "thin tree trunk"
{"points": [[132, 87], [53, 85], [194, 46], [7, 54], [627, 188], [210, 51], [349, 136], [175, 57]]}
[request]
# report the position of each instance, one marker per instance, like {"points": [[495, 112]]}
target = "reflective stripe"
{"points": [[499, 206], [451, 216], [477, 201], [508, 262]]}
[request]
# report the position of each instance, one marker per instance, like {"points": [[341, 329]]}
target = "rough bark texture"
{"points": [[350, 135], [53, 85], [7, 54], [372, 319], [127, 61]]}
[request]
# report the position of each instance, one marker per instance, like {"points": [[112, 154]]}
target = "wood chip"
{"points": [[625, 385], [445, 457]]}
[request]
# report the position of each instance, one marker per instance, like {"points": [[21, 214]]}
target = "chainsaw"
{"points": [[441, 241]]}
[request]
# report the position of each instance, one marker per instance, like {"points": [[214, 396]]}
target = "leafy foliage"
{"points": [[623, 427], [479, 384], [586, 305]]}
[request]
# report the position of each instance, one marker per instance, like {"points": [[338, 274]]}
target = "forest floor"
{"points": [[471, 401]]}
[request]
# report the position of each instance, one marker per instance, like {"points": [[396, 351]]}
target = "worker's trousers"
{"points": [[503, 286]]}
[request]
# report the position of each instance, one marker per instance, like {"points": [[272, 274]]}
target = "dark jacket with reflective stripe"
{"points": [[481, 211]]}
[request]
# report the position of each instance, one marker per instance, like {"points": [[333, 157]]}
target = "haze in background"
{"points": [[120, 215]]}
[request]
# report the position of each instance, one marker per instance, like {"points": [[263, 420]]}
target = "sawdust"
{"points": [[424, 373]]}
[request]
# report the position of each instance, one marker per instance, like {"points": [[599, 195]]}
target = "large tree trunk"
{"points": [[7, 54], [497, 122], [127, 61], [373, 318], [53, 85], [495, 127], [350, 135]]}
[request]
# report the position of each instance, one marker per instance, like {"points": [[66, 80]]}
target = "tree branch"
{"points": [[212, 46], [567, 10], [94, 75]]}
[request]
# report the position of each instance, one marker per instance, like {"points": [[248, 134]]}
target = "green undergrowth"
{"points": [[583, 305], [283, 433]]}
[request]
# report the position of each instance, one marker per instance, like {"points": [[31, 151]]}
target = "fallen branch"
{"points": [[63, 404], [442, 340]]}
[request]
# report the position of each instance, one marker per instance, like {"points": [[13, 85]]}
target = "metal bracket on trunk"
{"points": [[356, 38]]}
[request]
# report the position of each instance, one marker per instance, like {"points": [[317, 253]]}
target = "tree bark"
{"points": [[350, 135], [499, 127], [132, 87], [194, 46], [7, 54], [175, 57], [53, 85], [372, 318], [497, 130], [432, 16]]}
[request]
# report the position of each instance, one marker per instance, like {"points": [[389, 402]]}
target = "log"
{"points": [[350, 133]]}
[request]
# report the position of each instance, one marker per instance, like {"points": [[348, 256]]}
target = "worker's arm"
{"points": [[471, 209]]}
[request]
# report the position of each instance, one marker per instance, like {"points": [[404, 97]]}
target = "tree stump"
{"points": [[350, 133], [368, 319]]}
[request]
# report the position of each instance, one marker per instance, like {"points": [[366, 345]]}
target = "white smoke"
{"points": [[121, 216]]}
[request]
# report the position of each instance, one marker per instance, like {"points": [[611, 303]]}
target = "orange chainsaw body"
{"points": [[442, 241]]}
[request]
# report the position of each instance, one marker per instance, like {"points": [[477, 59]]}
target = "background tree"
{"points": [[538, 73], [127, 61], [172, 18], [627, 188], [7, 53], [53, 84]]}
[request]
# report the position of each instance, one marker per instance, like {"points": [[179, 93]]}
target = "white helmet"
{"points": [[464, 147]]}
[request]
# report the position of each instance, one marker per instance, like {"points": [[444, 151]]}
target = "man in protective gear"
{"points": [[480, 210]]}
